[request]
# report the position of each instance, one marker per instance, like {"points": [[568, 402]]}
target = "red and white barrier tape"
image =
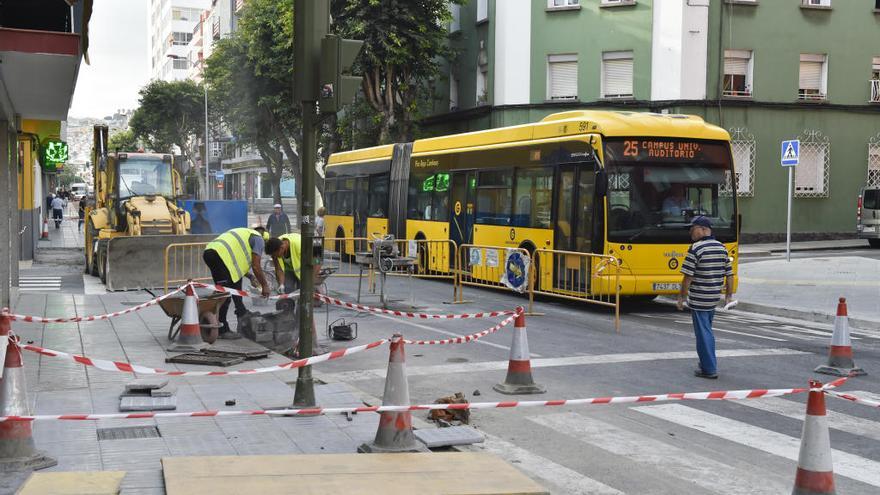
{"points": [[77, 319], [853, 398], [722, 395], [467, 338], [244, 293], [105, 365], [423, 316]]}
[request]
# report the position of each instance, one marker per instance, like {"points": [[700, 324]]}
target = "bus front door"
{"points": [[461, 216], [572, 229]]}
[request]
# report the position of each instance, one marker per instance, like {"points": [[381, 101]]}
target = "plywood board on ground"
{"points": [[447, 473], [73, 483]]}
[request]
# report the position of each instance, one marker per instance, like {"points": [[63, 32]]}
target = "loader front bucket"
{"points": [[138, 262]]}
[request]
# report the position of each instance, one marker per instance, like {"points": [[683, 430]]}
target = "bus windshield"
{"points": [[144, 176], [656, 186]]}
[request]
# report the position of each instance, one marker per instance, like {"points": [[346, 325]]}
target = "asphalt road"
{"points": [[681, 448]]}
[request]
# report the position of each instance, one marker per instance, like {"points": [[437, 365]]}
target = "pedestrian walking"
{"points": [[49, 199], [58, 211], [705, 269], [319, 222], [82, 212], [278, 223]]}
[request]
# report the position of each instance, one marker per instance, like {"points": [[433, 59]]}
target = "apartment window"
{"points": [[743, 146], [562, 3], [562, 77], [482, 10], [183, 14], [179, 39], [181, 63], [482, 76], [812, 173], [455, 23], [873, 178], [617, 74], [816, 3], [813, 77], [453, 93], [738, 72], [874, 82]]}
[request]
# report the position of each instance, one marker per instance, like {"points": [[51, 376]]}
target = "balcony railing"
{"points": [[810, 95], [875, 90]]}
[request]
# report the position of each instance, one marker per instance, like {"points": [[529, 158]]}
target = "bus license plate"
{"points": [[868, 228], [667, 286]]}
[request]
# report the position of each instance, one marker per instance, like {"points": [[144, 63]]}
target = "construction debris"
{"points": [[463, 416], [148, 394]]}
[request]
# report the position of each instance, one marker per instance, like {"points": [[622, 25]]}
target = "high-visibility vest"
{"points": [[293, 261], [235, 251]]}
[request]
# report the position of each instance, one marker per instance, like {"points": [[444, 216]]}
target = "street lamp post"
{"points": [[207, 158]]}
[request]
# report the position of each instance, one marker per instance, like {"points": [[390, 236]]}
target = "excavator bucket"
{"points": [[138, 262]]}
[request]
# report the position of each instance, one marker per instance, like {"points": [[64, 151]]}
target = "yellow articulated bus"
{"points": [[620, 184]]}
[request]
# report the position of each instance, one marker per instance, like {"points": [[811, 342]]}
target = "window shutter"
{"points": [[736, 66], [810, 173], [563, 80], [618, 77], [811, 75], [876, 63]]}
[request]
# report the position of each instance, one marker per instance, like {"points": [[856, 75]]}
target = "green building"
{"points": [[765, 70]]}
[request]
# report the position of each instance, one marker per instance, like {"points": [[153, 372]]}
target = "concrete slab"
{"points": [[147, 403], [73, 483], [145, 385], [447, 437], [387, 474]]}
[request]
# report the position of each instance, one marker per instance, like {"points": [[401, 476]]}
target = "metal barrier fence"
{"points": [[591, 278], [183, 261], [483, 266], [339, 253]]}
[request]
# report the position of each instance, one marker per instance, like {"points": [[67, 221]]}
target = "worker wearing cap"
{"points": [[705, 269], [230, 257], [278, 223]]}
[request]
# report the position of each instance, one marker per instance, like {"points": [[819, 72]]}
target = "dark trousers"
{"points": [[705, 340], [58, 215], [221, 277]]}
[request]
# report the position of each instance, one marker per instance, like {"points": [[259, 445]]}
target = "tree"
{"points": [[250, 80], [170, 114], [123, 141], [67, 176], [404, 42]]}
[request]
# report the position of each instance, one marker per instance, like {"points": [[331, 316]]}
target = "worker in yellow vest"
{"points": [[230, 257], [286, 252]]}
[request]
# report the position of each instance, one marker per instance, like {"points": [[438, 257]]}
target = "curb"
{"points": [[799, 314], [768, 252]]}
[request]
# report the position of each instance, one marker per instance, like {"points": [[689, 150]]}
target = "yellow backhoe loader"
{"points": [[134, 216]]}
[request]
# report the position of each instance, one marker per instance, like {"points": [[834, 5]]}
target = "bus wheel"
{"points": [[637, 300], [340, 244]]}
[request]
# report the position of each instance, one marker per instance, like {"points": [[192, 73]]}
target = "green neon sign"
{"points": [[55, 152], [438, 182]]}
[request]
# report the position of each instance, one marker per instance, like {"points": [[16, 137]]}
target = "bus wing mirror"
{"points": [[601, 182]]}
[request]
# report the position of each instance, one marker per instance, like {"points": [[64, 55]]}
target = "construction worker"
{"points": [[230, 257], [287, 255]]}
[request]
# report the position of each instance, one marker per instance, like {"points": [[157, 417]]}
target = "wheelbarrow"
{"points": [[208, 304]]}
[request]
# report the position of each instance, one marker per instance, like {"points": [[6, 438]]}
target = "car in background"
{"points": [[868, 216], [78, 190]]}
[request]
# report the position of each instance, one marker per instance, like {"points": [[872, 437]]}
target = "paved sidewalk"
{"points": [[67, 237], [765, 249], [810, 287], [56, 386]]}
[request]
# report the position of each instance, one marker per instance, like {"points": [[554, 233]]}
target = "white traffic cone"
{"points": [[189, 337], [395, 428], [45, 233], [17, 449], [815, 471], [840, 354], [519, 368]]}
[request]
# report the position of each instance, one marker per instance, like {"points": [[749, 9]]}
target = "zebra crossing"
{"points": [[693, 448], [39, 283]]}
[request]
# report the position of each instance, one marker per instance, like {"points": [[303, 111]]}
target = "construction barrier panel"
{"points": [[433, 258], [183, 262], [591, 278], [491, 266]]}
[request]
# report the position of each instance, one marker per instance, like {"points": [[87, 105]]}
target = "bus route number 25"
{"points": [[631, 149]]}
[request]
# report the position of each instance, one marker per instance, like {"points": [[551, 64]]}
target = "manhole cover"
{"points": [[193, 358], [128, 433]]}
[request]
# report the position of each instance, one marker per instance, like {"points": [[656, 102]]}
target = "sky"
{"points": [[118, 54]]}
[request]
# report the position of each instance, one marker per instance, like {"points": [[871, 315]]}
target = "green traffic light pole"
{"points": [[311, 23]]}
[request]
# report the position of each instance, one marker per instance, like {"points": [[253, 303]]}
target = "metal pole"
{"points": [[207, 159], [304, 395], [788, 222]]}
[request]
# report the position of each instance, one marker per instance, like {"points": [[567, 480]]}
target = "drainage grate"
{"points": [[128, 433]]}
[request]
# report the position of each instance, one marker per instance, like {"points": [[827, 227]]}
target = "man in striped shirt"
{"points": [[705, 268]]}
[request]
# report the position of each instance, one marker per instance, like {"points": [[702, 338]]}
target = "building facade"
{"points": [[170, 26], [764, 70]]}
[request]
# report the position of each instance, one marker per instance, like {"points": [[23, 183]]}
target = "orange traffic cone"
{"points": [[45, 233], [840, 355], [395, 428], [519, 368], [17, 449], [815, 471], [189, 337]]}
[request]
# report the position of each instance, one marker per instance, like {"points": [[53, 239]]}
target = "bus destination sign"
{"points": [[659, 150]]}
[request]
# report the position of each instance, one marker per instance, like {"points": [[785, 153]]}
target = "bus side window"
{"points": [[378, 204], [494, 197], [533, 195], [330, 196]]}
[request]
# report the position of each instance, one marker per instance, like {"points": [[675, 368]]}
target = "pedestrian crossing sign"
{"points": [[791, 152]]}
